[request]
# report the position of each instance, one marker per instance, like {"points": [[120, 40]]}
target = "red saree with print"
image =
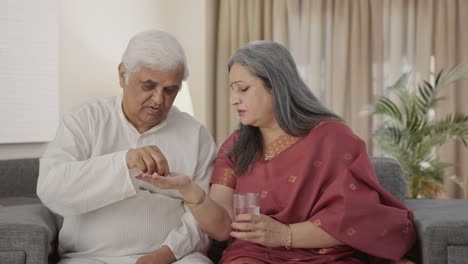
{"points": [[326, 178]]}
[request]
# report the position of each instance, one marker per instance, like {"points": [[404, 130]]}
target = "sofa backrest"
{"points": [[390, 176], [18, 177]]}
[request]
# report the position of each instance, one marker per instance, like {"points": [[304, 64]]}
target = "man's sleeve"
{"points": [[189, 237], [71, 182]]}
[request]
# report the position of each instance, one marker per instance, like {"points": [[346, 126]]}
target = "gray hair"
{"points": [[297, 110], [154, 49]]}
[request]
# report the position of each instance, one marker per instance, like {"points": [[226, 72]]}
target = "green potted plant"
{"points": [[410, 133]]}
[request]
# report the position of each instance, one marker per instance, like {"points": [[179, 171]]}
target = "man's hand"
{"points": [[148, 159], [163, 255], [174, 181], [190, 191]]}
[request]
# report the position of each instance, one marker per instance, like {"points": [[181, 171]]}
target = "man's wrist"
{"points": [[187, 188], [127, 158], [166, 254]]}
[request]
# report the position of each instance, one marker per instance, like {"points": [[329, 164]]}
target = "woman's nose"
{"points": [[234, 98]]}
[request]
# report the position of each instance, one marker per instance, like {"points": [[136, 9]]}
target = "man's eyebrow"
{"points": [[150, 82], [153, 83], [174, 86]]}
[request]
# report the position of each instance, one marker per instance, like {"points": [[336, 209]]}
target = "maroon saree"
{"points": [[326, 178]]}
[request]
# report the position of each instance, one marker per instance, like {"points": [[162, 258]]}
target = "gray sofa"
{"points": [[28, 230]]}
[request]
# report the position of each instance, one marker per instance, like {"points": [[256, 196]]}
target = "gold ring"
{"points": [[257, 218]]}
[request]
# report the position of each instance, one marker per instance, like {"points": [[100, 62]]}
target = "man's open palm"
{"points": [[173, 181]]}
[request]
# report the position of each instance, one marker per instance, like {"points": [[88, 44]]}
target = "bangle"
{"points": [[191, 205], [289, 245]]}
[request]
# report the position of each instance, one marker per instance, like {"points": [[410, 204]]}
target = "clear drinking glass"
{"points": [[246, 203]]}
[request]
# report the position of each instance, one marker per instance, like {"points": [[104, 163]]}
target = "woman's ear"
{"points": [[267, 84]]}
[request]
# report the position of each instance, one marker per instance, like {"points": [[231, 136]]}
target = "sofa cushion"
{"points": [[443, 226], [11, 201], [457, 254], [13, 257], [30, 228]]}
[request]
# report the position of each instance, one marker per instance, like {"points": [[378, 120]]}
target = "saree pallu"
{"points": [[326, 178]]}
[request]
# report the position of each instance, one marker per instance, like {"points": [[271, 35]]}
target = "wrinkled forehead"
{"points": [[174, 75]]}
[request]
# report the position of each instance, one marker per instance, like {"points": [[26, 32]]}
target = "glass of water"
{"points": [[246, 203]]}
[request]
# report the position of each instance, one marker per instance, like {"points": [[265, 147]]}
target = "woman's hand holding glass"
{"points": [[260, 229]]}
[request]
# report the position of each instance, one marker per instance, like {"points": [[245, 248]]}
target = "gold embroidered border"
{"points": [[279, 145], [227, 178]]}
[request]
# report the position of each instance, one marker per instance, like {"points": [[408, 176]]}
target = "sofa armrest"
{"points": [[27, 232], [442, 227]]}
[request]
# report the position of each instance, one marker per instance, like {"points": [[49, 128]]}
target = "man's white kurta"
{"points": [[108, 213]]}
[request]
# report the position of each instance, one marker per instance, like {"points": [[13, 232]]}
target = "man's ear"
{"points": [[122, 72]]}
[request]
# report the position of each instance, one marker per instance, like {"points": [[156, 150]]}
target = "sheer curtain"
{"points": [[240, 22], [331, 43], [450, 48], [348, 51]]}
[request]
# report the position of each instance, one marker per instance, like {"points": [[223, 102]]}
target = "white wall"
{"points": [[29, 63], [94, 34]]}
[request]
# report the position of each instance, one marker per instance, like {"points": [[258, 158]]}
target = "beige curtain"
{"points": [[426, 36], [348, 51], [449, 41], [331, 43], [240, 22]]}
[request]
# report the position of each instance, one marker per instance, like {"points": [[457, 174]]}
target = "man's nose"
{"points": [[158, 96]]}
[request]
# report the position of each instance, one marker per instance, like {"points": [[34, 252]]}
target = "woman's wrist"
{"points": [[288, 240], [192, 194], [197, 203]]}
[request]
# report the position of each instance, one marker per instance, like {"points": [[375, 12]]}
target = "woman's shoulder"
{"points": [[328, 125], [229, 142], [333, 131]]}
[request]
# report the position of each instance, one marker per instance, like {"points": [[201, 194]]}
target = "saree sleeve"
{"points": [[356, 210], [223, 173]]}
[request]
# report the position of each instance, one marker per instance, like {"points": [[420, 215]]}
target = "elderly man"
{"points": [[87, 172]]}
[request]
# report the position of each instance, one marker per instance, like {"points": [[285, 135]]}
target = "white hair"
{"points": [[154, 49]]}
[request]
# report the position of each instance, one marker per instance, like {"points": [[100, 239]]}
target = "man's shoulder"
{"points": [[187, 126], [183, 119], [94, 106]]}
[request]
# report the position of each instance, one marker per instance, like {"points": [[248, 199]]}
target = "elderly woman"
{"points": [[320, 201]]}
